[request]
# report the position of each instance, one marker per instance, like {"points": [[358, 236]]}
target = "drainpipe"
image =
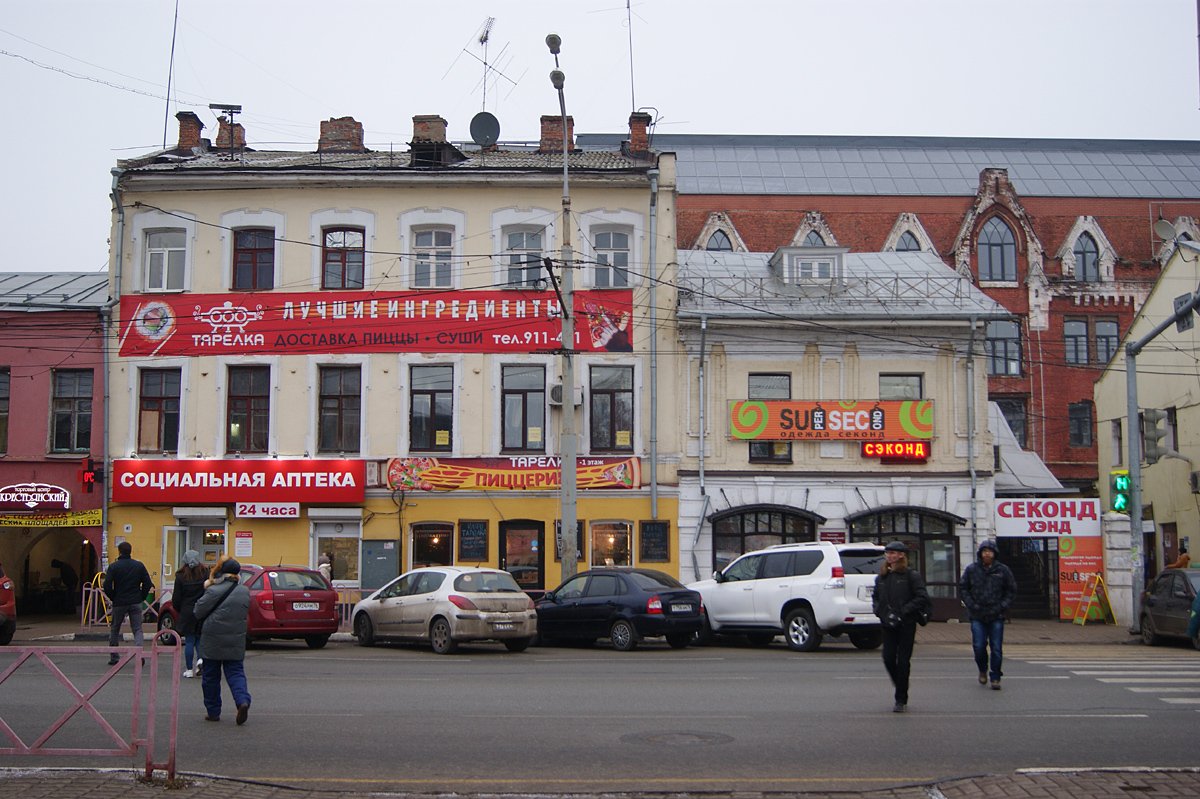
{"points": [[106, 318], [653, 175], [971, 434], [703, 491]]}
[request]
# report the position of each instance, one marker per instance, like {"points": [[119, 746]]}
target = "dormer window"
{"points": [[808, 265]]}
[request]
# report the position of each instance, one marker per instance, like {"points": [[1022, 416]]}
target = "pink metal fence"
{"points": [[146, 670]]}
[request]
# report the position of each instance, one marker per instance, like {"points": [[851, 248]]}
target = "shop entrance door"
{"points": [[1034, 564], [174, 544], [522, 551]]}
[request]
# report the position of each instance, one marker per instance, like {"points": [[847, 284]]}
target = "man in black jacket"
{"points": [[987, 589], [126, 584]]}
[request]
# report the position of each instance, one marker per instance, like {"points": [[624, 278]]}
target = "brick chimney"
{"points": [[342, 135], [639, 135], [552, 134], [189, 131], [226, 131], [429, 127]]}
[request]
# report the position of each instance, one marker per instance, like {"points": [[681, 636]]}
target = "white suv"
{"points": [[802, 591]]}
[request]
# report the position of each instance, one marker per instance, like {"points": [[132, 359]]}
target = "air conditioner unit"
{"points": [[556, 395]]}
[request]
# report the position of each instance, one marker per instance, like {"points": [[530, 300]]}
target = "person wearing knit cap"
{"points": [[223, 612], [987, 588], [189, 587]]}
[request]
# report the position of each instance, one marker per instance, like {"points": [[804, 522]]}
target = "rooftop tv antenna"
{"points": [[483, 42], [227, 110]]}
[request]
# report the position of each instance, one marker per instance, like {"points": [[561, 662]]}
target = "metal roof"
{"points": [[913, 286], [926, 166], [52, 291]]}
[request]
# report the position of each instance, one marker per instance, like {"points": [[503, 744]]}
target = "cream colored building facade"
{"points": [[834, 396], [354, 352]]}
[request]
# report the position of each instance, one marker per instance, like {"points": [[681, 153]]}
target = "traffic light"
{"points": [[1154, 432], [1118, 494]]}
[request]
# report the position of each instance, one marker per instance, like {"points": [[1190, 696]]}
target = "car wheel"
{"points": [[7, 631], [866, 639], [167, 622], [706, 636], [439, 636], [679, 640], [800, 631], [316, 641], [517, 644], [1149, 636], [364, 631], [760, 639], [623, 636]]}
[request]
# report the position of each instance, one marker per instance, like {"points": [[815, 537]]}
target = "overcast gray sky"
{"points": [[86, 80]]}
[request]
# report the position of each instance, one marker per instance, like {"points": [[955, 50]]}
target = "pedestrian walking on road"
{"points": [[899, 600], [222, 611], [126, 584], [189, 587], [987, 589]]}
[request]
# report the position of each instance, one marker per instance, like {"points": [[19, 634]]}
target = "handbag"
{"points": [[200, 622]]}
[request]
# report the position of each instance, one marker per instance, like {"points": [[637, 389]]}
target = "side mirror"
{"points": [[719, 577], [549, 596]]}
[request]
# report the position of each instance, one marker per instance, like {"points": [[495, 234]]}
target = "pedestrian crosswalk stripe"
{"points": [[1164, 677]]}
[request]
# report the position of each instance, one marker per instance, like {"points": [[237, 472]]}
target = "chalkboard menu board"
{"points": [[472, 542], [655, 541], [580, 552]]}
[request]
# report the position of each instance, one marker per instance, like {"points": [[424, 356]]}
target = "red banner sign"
{"points": [[407, 321], [896, 450], [222, 481], [509, 474], [832, 420]]}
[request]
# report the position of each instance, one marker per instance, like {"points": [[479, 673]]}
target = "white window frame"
{"points": [[507, 220], [423, 219], [631, 223], [232, 222], [154, 221], [327, 218]]}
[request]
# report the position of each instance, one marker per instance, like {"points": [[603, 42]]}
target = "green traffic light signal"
{"points": [[1119, 494]]}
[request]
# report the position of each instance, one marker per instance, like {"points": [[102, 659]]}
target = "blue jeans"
{"points": [[119, 614], [210, 682], [985, 634], [190, 642]]}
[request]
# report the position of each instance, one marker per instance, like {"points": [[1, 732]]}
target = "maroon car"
{"points": [[285, 602]]}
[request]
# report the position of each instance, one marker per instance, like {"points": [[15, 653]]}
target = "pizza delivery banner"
{"points": [[341, 321], [847, 420]]}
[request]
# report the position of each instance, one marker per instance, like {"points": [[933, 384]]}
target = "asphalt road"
{"points": [[702, 719]]}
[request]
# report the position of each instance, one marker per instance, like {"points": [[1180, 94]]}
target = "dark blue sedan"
{"points": [[623, 605]]}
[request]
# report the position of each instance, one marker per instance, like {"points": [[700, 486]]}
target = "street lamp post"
{"points": [[567, 445]]}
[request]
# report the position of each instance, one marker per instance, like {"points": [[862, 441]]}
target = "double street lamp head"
{"points": [[557, 78]]}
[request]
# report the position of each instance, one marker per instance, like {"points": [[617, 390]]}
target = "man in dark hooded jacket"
{"points": [[126, 584], [987, 589]]}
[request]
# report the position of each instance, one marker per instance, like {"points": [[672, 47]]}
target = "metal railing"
{"points": [[143, 732]]}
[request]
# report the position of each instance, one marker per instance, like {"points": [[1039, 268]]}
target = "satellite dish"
{"points": [[485, 129], [1162, 228]]}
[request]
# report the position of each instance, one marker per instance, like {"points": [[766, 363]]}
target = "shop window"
{"points": [[433, 251], [71, 422], [4, 389], [523, 406], [343, 256], [997, 252], [1003, 348], [930, 539], [612, 544], [612, 408], [432, 545], [1079, 415], [340, 409], [254, 259], [612, 259], [750, 529], [158, 410], [770, 387], [901, 387], [431, 415], [342, 540], [248, 409], [523, 257]]}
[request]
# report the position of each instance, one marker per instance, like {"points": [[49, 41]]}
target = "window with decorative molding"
{"points": [[997, 252], [433, 252], [612, 259], [719, 242], [769, 387], [1087, 259], [71, 417], [908, 243], [523, 407], [248, 409], [523, 256], [253, 259], [339, 409], [612, 408], [166, 257], [431, 415], [158, 410], [343, 256]]}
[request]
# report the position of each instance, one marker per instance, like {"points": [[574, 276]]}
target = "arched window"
{"points": [[908, 243], [813, 239], [932, 546], [719, 242], [997, 252], [1087, 259], [747, 529]]}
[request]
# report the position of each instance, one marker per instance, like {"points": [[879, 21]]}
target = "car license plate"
{"points": [[306, 606], [503, 625], [681, 608]]}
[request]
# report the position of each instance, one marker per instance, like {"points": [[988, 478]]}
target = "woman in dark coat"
{"points": [[899, 599], [189, 585], [223, 609]]}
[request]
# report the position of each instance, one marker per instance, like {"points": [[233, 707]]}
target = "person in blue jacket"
{"points": [[987, 589]]}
